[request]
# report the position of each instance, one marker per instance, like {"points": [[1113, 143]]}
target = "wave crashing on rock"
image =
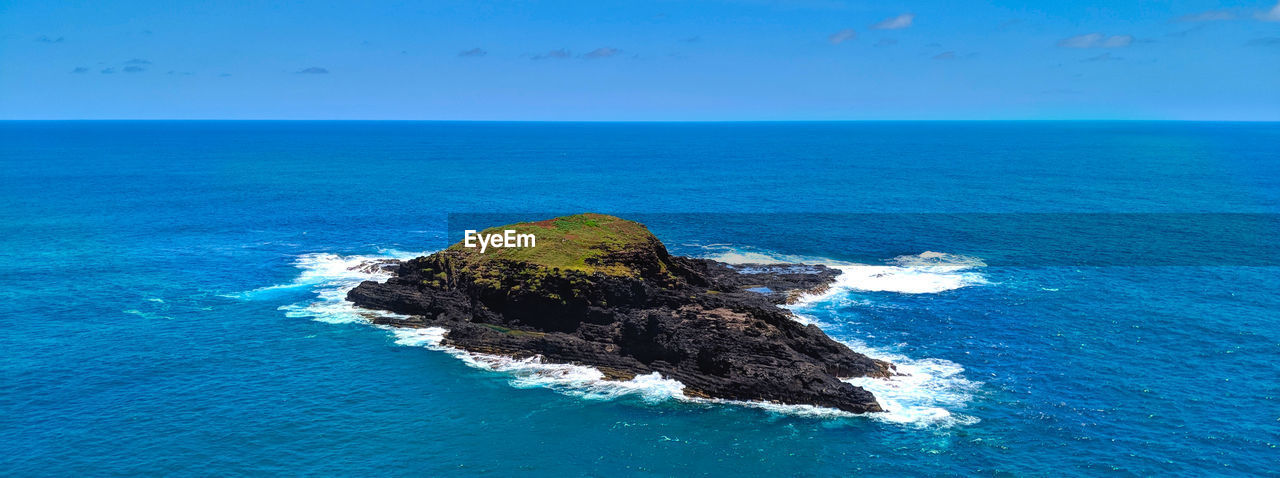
{"points": [[603, 292]]}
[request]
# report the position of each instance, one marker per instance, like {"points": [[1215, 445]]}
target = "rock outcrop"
{"points": [[602, 291]]}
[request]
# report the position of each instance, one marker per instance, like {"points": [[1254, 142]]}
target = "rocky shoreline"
{"points": [[605, 293]]}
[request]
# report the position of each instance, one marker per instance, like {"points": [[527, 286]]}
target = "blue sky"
{"points": [[641, 60]]}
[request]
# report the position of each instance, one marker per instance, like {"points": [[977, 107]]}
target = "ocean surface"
{"points": [[1067, 298]]}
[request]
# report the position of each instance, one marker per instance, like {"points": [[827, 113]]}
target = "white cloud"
{"points": [[1096, 40], [1118, 41], [842, 36], [895, 23], [601, 53], [1088, 40], [1102, 57], [558, 54], [1272, 15]]}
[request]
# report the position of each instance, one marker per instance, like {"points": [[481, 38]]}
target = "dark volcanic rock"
{"points": [[630, 308]]}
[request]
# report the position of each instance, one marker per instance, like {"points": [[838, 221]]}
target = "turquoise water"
{"points": [[169, 296]]}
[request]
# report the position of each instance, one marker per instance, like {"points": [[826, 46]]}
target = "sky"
{"points": [[654, 60]]}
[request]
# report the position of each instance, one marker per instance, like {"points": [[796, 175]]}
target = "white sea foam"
{"points": [[731, 255], [331, 276], [901, 397], [530, 372], [925, 273], [922, 397], [907, 279], [324, 269], [927, 390]]}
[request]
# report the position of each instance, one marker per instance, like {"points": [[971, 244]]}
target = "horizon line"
{"points": [[366, 120]]}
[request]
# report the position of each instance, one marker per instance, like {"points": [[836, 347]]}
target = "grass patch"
{"points": [[579, 242]]}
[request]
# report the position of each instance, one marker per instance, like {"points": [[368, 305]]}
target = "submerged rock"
{"points": [[601, 291]]}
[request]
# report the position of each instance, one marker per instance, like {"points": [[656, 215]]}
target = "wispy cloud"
{"points": [[842, 36], [1208, 16], [1264, 41], [692, 39], [474, 52], [1272, 15], [80, 69], [946, 55], [1102, 57], [107, 71], [137, 61], [895, 23], [313, 70], [1096, 40], [1118, 41], [559, 54], [47, 39], [886, 42], [1186, 32], [604, 52]]}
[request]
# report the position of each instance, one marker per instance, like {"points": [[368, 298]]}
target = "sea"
{"points": [[1062, 298]]}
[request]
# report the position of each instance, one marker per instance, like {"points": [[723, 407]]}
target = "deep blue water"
{"points": [[165, 296]]}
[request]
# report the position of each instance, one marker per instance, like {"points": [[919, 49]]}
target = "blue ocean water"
{"points": [[170, 297]]}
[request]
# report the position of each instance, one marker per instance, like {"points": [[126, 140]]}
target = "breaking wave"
{"points": [[329, 270], [921, 397], [531, 372], [929, 390], [926, 391], [925, 273], [331, 276]]}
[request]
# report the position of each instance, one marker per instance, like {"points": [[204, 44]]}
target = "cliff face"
{"points": [[601, 291]]}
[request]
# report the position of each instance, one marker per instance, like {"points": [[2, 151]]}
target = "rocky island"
{"points": [[602, 291]]}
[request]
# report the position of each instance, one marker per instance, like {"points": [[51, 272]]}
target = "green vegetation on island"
{"points": [[589, 243]]}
